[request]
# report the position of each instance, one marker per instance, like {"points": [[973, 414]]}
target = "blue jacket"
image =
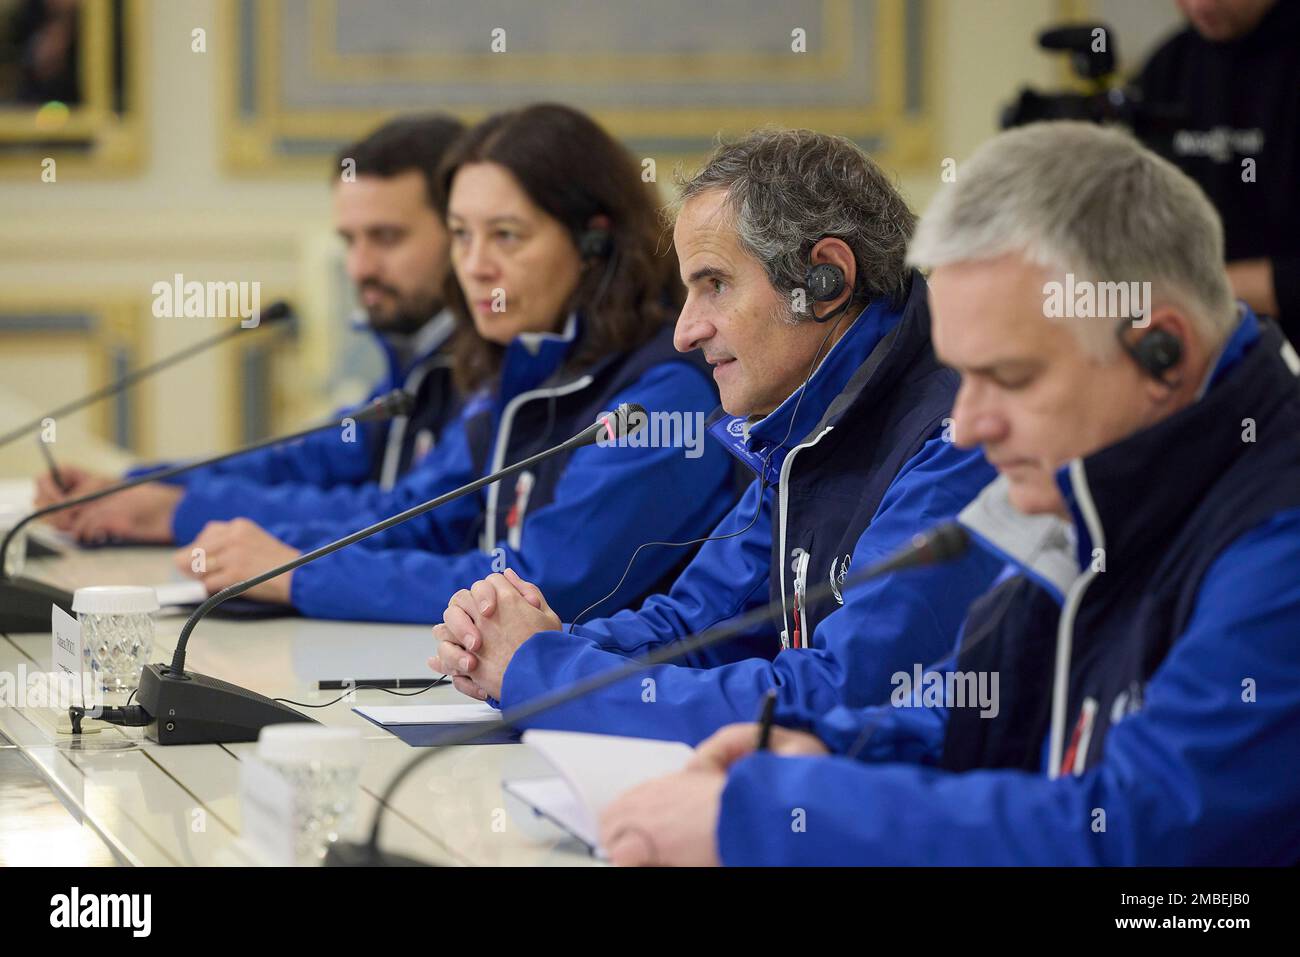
{"points": [[1149, 701], [873, 469], [322, 473], [571, 526]]}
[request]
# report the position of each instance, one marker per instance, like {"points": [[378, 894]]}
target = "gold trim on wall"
{"points": [[112, 330], [120, 324], [327, 62], [119, 141], [250, 143], [277, 347]]}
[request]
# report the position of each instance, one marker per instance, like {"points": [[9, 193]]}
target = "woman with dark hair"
{"points": [[564, 301], [622, 282]]}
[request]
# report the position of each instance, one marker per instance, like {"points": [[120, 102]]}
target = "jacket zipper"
{"points": [[397, 431], [1065, 627], [784, 500], [799, 565], [489, 539], [515, 519]]}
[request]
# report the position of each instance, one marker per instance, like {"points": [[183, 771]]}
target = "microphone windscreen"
{"points": [[628, 419], [930, 547], [947, 542], [277, 311], [396, 403], [399, 402]]}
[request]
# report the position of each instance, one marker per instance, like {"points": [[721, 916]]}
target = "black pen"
{"points": [[765, 720], [377, 684], [54, 468]]}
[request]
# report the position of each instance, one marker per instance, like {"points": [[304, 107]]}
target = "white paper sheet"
{"points": [[189, 592], [430, 713], [596, 768]]}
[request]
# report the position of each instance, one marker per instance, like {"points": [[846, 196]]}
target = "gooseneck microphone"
{"points": [[25, 604], [273, 314], [188, 708], [938, 545]]}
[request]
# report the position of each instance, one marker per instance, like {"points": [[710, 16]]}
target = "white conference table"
{"points": [[179, 804]]}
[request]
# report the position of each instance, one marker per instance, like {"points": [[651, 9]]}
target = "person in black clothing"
{"points": [[1234, 72]]}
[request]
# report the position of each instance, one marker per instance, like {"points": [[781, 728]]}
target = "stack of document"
{"points": [[591, 770], [427, 725]]}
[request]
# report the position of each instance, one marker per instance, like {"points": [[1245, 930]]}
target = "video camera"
{"points": [[1093, 56]]}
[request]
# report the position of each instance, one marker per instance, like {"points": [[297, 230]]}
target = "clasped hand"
{"points": [[483, 626]]}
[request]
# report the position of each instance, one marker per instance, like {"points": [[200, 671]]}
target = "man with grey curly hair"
{"points": [[1148, 510], [792, 245], [789, 188], [775, 206]]}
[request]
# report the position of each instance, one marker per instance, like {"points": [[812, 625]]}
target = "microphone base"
{"points": [[348, 854], [25, 605], [190, 708]]}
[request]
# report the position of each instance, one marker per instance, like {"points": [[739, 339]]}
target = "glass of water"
{"points": [[116, 632], [323, 766]]}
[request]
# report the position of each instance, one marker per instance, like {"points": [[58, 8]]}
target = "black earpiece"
{"points": [[594, 242], [1155, 353], [596, 245], [825, 281]]}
